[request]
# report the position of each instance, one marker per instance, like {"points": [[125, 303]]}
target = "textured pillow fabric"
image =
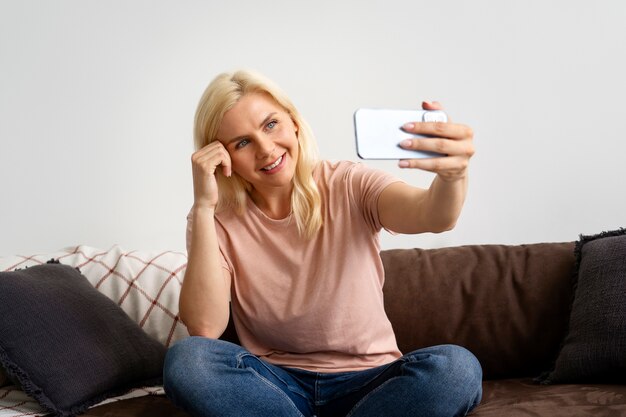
{"points": [[144, 283], [4, 380], [68, 345], [594, 349]]}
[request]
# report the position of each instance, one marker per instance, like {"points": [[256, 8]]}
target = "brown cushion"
{"points": [[509, 305]]}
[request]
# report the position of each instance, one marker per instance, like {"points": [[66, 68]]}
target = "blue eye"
{"points": [[242, 143], [272, 124]]}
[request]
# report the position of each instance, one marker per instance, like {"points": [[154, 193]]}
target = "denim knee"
{"points": [[453, 371], [460, 361], [436, 381], [193, 358], [208, 377]]}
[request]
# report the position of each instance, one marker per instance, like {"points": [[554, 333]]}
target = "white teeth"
{"points": [[274, 165]]}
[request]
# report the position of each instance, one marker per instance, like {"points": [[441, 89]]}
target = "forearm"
{"points": [[204, 297], [407, 209], [443, 202]]}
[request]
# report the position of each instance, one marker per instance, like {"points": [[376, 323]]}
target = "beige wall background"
{"points": [[97, 101]]}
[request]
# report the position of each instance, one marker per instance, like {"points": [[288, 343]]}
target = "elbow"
{"points": [[212, 329], [207, 330], [444, 227]]}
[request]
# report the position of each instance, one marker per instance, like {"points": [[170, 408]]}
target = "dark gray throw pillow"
{"points": [[68, 345], [594, 349], [4, 380]]}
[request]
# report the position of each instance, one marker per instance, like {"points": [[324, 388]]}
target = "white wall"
{"points": [[97, 100]]}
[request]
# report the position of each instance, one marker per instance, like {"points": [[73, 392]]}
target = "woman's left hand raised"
{"points": [[453, 141]]}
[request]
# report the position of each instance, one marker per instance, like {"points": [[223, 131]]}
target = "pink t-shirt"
{"points": [[313, 304]]}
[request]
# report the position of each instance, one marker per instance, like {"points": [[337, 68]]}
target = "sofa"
{"points": [[545, 320]]}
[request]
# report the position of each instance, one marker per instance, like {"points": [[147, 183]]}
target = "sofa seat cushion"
{"points": [[152, 406], [501, 398], [523, 398]]}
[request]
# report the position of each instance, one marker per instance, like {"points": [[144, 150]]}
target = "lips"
{"points": [[275, 165]]}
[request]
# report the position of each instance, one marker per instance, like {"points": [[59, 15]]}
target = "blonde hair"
{"points": [[220, 96]]}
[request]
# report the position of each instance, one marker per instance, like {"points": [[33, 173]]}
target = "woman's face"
{"points": [[262, 141]]}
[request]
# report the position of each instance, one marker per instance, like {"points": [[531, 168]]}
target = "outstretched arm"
{"points": [[407, 209]]}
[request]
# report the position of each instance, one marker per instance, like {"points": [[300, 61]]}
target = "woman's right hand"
{"points": [[204, 162]]}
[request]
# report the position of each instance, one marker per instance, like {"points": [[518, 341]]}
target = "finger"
{"points": [[449, 147], [212, 147], [218, 158], [439, 129], [210, 157], [224, 158], [431, 105], [445, 166], [227, 168]]}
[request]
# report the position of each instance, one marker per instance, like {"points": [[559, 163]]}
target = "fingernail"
{"points": [[403, 164], [406, 143], [408, 126]]}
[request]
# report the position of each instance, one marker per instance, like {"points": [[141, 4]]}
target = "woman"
{"points": [[292, 243]]}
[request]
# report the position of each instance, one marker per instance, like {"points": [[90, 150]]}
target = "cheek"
{"points": [[291, 138], [241, 162], [236, 165], [288, 130]]}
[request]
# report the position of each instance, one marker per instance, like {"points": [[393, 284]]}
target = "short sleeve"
{"points": [[365, 186]]}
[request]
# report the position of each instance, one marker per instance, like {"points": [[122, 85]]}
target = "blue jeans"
{"points": [[214, 378]]}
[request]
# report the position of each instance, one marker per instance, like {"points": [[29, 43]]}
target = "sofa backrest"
{"points": [[509, 305]]}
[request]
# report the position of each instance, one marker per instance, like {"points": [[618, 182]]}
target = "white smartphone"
{"points": [[379, 131]]}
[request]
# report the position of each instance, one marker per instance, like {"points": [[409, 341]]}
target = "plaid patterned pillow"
{"points": [[145, 284]]}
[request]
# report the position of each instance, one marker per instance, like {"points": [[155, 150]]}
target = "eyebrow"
{"points": [[267, 118]]}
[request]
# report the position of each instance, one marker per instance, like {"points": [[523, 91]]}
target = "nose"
{"points": [[265, 147]]}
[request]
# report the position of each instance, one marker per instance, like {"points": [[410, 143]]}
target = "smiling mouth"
{"points": [[274, 165]]}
